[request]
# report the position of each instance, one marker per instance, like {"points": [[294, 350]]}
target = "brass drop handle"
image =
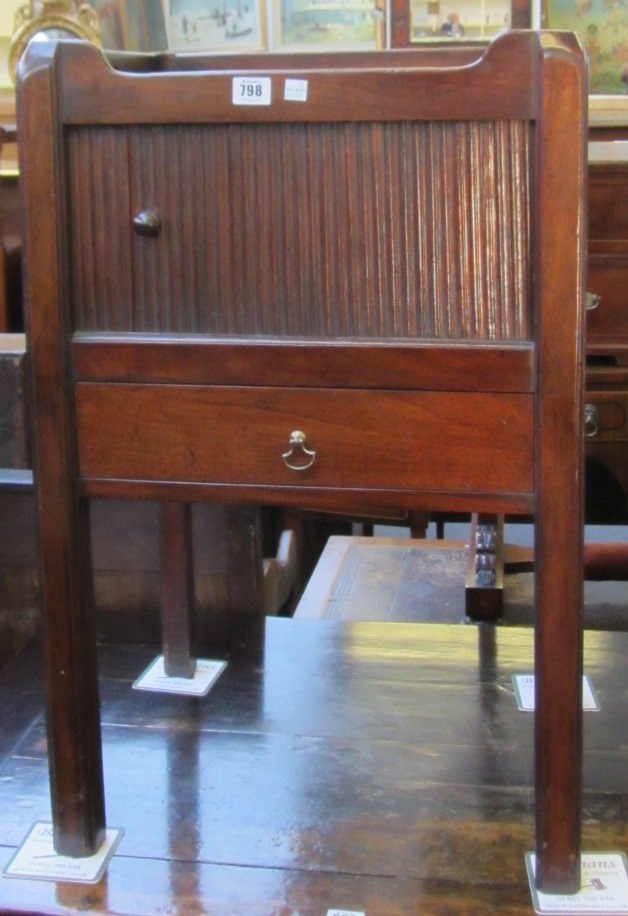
{"points": [[590, 421], [298, 457], [593, 301], [147, 223]]}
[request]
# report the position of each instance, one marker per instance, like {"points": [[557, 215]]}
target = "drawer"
{"points": [[606, 416], [361, 439], [607, 197], [608, 279]]}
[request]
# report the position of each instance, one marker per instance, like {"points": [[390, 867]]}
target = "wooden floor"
{"points": [[372, 767]]}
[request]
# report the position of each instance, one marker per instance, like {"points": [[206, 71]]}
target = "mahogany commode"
{"points": [[366, 290]]}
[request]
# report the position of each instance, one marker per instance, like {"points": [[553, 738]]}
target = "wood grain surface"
{"points": [[375, 767]]}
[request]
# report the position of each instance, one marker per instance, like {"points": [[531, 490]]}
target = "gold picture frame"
{"points": [[52, 19]]}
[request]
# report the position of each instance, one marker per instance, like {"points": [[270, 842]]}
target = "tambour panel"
{"points": [[362, 438], [359, 230], [101, 265]]}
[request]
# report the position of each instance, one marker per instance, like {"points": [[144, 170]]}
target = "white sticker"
{"points": [[345, 913], [251, 90], [295, 91], [36, 858], [155, 678], [524, 693], [603, 886]]}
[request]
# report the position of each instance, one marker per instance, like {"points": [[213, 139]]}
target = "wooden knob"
{"points": [[147, 222]]}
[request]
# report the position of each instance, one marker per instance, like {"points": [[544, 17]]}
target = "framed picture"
{"points": [[216, 25], [462, 21], [110, 23], [603, 29], [327, 25], [438, 20], [131, 25]]}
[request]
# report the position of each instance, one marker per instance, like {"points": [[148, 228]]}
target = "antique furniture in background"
{"points": [[10, 255], [606, 426], [261, 328]]}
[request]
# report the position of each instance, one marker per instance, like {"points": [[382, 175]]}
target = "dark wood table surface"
{"points": [[373, 767]]}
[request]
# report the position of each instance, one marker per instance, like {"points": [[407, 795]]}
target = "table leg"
{"points": [[177, 570], [71, 674]]}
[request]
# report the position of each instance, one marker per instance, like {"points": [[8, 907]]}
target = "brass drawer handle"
{"points": [[591, 427], [147, 222], [298, 449], [593, 300]]}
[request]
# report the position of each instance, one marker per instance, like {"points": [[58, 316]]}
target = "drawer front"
{"points": [[607, 197], [608, 279], [361, 439]]}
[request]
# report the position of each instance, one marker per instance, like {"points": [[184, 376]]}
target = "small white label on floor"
{"points": [[155, 678], [524, 693], [604, 886], [36, 858]]}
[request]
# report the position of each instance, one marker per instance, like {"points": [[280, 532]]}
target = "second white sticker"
{"points": [[295, 91]]}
